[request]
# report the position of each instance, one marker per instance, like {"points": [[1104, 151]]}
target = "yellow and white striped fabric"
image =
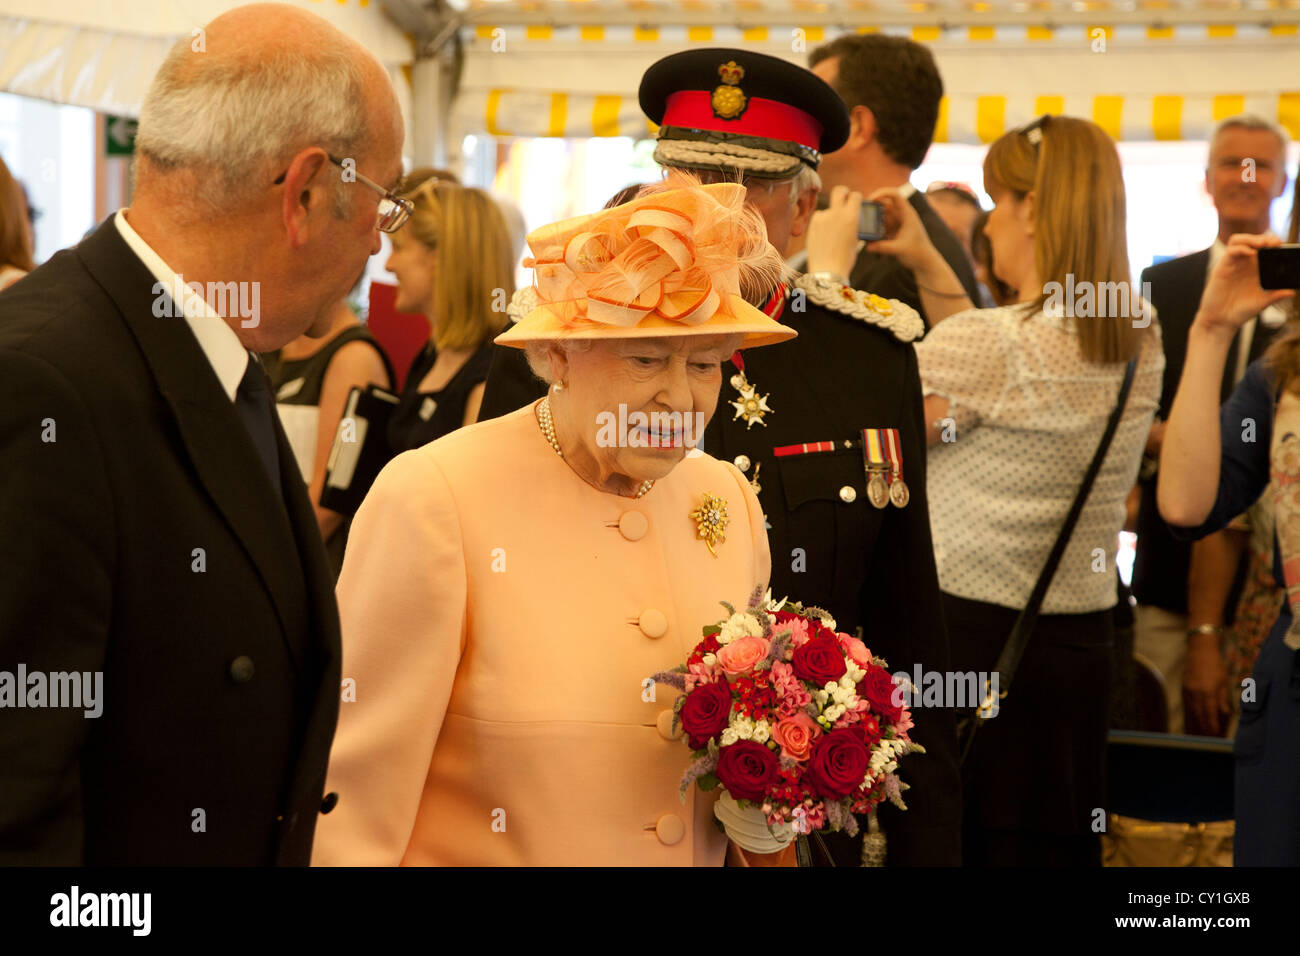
{"points": [[1138, 81]]}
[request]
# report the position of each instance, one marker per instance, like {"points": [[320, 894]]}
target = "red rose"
{"points": [[885, 697], [747, 769], [704, 713], [838, 763], [820, 661]]}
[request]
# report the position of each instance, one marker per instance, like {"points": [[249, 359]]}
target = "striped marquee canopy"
{"points": [[1143, 69], [1148, 70]]}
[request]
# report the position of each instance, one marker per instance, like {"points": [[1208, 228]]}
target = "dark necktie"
{"points": [[256, 408]]}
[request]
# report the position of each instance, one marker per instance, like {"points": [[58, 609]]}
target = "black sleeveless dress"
{"points": [[423, 417], [297, 385]]}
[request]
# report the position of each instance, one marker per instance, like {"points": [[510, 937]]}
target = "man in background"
{"points": [[1182, 589], [157, 548], [892, 89]]}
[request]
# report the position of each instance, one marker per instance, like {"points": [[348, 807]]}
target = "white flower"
{"points": [[854, 673], [743, 726], [835, 712], [738, 625], [709, 660], [728, 737], [762, 731]]}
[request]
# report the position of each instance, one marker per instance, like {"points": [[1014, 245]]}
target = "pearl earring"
{"points": [[558, 386]]}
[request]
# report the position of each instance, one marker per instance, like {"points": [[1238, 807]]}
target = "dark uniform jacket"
{"points": [[870, 568], [220, 667], [886, 276]]}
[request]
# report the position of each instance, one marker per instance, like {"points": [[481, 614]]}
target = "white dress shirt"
{"points": [[228, 357]]}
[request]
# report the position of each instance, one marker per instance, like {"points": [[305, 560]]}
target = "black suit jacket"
{"points": [[1161, 563], [885, 275], [869, 568], [145, 541]]}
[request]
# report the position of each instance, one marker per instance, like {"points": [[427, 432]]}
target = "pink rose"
{"points": [[856, 650], [796, 735], [739, 657]]}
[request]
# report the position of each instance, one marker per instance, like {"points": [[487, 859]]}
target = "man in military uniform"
{"points": [[829, 427]]}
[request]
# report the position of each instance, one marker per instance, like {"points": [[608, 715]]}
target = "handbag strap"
{"points": [[1014, 649]]}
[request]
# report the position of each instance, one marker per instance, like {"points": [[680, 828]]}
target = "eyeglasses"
{"points": [[1034, 131], [393, 211]]}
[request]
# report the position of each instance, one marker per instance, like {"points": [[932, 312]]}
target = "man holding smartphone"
{"points": [[892, 89]]}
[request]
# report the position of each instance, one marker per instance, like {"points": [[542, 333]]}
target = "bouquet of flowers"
{"points": [[794, 720]]}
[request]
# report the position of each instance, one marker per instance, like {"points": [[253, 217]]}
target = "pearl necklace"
{"points": [[548, 431]]}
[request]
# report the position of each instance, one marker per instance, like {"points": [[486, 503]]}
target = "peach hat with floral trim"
{"points": [[669, 263]]}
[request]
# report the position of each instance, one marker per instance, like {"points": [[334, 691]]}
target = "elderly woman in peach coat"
{"points": [[507, 589]]}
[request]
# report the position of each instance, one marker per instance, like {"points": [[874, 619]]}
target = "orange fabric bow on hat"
{"points": [[675, 254], [672, 262]]}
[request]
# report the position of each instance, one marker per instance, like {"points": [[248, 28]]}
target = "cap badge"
{"points": [[728, 99]]}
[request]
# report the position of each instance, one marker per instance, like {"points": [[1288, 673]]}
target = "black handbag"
{"points": [[1021, 631], [360, 448]]}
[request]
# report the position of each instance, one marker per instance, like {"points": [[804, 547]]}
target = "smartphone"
{"points": [[1279, 267], [871, 221]]}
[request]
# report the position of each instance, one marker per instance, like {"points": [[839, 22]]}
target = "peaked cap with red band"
{"points": [[759, 113]]}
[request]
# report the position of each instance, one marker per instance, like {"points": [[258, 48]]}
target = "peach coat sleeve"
{"points": [[402, 599]]}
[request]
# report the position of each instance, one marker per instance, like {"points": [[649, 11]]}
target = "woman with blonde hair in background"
{"points": [[1018, 399], [454, 263], [16, 242]]}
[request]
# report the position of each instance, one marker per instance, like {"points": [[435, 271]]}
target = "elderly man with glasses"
{"points": [[161, 555]]}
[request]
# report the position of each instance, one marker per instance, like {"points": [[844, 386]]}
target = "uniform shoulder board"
{"points": [[896, 317]]}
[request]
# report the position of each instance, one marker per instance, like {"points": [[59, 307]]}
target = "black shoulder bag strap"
{"points": [[1009, 659]]}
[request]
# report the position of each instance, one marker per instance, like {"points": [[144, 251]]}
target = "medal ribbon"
{"points": [[894, 452], [873, 454], [805, 448]]}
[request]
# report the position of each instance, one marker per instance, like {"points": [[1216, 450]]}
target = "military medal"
{"points": [[751, 406], [711, 521], [898, 493], [873, 454]]}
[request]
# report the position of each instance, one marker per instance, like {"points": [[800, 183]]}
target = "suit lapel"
{"points": [[224, 456]]}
